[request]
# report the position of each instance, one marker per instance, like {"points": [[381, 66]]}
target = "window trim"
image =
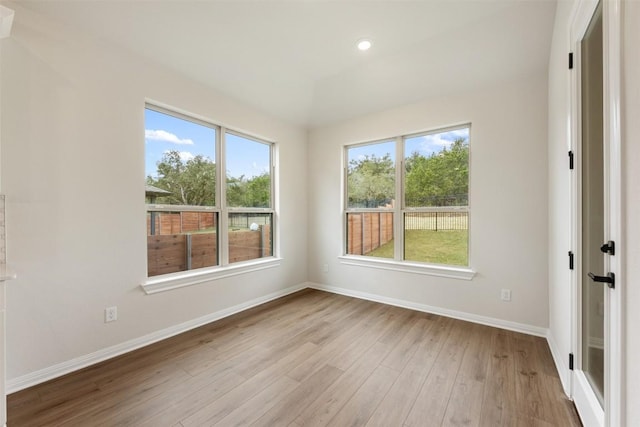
{"points": [[179, 279], [439, 270], [398, 263]]}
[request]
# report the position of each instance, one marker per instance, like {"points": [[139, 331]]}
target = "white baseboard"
{"points": [[475, 318], [37, 377], [559, 359]]}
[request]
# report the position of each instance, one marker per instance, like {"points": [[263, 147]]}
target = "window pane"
{"points": [[370, 234], [437, 237], [248, 172], [180, 241], [180, 161], [371, 176], [437, 175], [250, 236], [437, 169]]}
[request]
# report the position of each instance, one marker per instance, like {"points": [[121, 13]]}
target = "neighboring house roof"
{"points": [[150, 190]]}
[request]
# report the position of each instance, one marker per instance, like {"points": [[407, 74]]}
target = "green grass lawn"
{"points": [[436, 247]]}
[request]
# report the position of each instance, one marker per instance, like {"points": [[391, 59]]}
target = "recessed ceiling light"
{"points": [[364, 44]]}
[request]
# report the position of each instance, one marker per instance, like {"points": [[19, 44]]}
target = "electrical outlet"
{"points": [[110, 314], [505, 295], [325, 268]]}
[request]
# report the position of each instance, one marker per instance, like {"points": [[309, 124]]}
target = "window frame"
{"points": [[226, 210], [399, 210], [168, 281]]}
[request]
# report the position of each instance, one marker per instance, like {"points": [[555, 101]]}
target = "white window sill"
{"points": [[410, 267], [181, 279]]}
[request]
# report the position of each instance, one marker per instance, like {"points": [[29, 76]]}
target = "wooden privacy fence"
{"points": [[169, 253], [367, 231], [166, 223]]}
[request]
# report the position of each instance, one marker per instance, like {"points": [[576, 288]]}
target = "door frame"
{"points": [[586, 402]]}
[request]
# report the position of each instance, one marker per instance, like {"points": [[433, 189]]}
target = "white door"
{"points": [[595, 381]]}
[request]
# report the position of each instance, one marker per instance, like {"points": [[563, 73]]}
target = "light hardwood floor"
{"points": [[314, 359]]}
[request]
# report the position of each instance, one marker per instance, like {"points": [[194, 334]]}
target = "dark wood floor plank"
{"points": [[313, 358]]}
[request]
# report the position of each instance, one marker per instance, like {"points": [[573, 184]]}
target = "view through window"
{"points": [[434, 195], [192, 222]]}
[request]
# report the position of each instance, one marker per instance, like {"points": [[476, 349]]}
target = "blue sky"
{"points": [[425, 145], [164, 133], [379, 150], [434, 143]]}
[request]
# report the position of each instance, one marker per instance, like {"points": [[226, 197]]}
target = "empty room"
{"points": [[355, 213]]}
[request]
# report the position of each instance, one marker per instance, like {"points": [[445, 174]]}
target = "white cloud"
{"points": [[445, 139], [437, 140], [185, 156], [259, 168], [460, 133], [163, 135]]}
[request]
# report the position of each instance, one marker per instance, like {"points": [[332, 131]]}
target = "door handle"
{"points": [[609, 248], [609, 279]]}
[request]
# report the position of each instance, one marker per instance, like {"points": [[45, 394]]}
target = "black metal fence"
{"points": [[244, 220], [440, 220]]}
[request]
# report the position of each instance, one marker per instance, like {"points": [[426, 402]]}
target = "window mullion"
{"points": [[222, 191], [345, 200], [398, 223], [272, 168]]}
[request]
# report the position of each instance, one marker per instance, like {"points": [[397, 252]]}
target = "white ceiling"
{"points": [[297, 60]]}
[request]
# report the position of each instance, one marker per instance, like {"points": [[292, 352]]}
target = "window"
{"points": [[436, 197], [249, 194], [371, 189], [193, 222], [430, 224]]}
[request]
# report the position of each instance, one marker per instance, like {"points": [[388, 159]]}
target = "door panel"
{"points": [[597, 340], [592, 195]]}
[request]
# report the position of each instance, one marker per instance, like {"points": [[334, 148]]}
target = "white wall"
{"points": [[73, 172], [631, 215], [508, 202], [559, 193]]}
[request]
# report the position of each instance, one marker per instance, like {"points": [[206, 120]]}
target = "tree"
{"points": [[371, 181], [442, 179], [249, 193], [259, 191], [190, 182]]}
